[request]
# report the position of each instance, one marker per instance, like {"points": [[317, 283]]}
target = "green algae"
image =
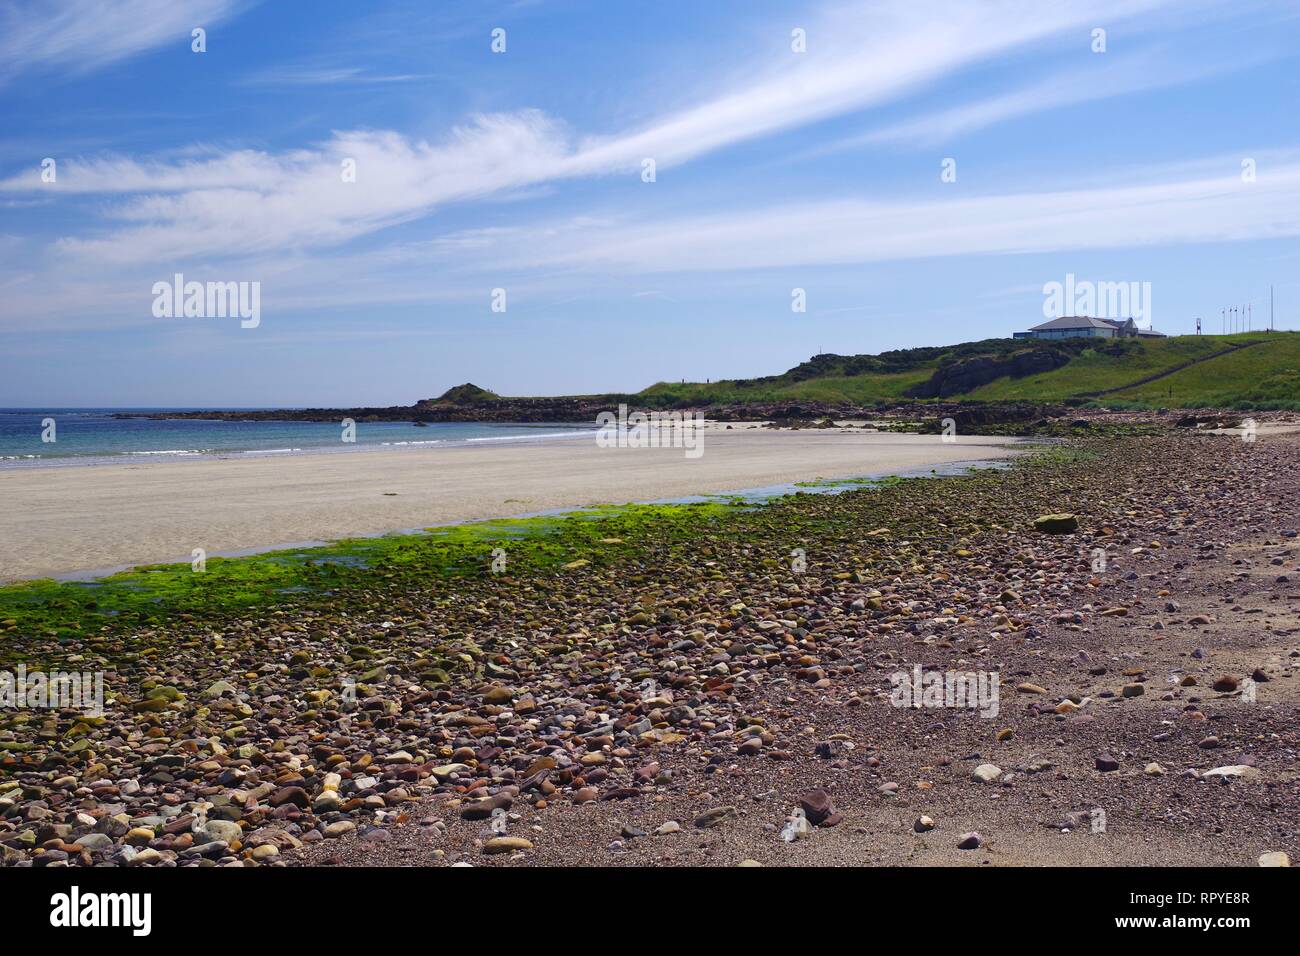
{"points": [[849, 482], [153, 594], [351, 573]]}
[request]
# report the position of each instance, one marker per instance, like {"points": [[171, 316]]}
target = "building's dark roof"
{"points": [[1074, 322]]}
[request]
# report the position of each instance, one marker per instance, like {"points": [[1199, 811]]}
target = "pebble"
{"points": [[818, 809], [1060, 523], [482, 809], [139, 836], [796, 828], [714, 817], [1242, 771], [506, 844]]}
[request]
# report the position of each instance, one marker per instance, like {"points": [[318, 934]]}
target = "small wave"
{"points": [[432, 441], [528, 437], [171, 451], [271, 451]]}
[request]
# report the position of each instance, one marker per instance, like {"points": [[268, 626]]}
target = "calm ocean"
{"points": [[90, 435]]}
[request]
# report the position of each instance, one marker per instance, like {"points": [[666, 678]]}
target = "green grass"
{"points": [[858, 379], [864, 389], [1264, 376], [1261, 376], [1094, 371]]}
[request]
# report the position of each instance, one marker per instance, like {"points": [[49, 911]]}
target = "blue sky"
{"points": [[523, 171]]}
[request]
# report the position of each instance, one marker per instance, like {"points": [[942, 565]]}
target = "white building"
{"points": [[1082, 326]]}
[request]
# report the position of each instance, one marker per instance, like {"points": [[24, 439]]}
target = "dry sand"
{"points": [[60, 520]]}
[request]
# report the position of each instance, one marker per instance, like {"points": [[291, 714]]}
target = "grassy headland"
{"points": [[1252, 370], [1249, 370]]}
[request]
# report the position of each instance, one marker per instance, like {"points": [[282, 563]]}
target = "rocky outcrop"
{"points": [[970, 419], [463, 407], [981, 418], [965, 375], [467, 394]]}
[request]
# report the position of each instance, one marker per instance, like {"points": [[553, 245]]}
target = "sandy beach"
{"points": [[62, 520]]}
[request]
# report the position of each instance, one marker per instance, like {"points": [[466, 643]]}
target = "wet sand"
{"points": [[62, 520]]}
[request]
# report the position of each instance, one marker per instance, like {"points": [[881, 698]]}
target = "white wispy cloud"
{"points": [[281, 217], [1205, 202], [856, 230], [859, 55], [251, 201], [1116, 75], [79, 36], [326, 75]]}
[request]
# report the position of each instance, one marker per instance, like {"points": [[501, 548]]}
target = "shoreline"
{"points": [[65, 520], [757, 495], [97, 459], [571, 431]]}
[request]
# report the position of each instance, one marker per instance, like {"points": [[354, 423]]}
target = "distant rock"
{"points": [[467, 394]]}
